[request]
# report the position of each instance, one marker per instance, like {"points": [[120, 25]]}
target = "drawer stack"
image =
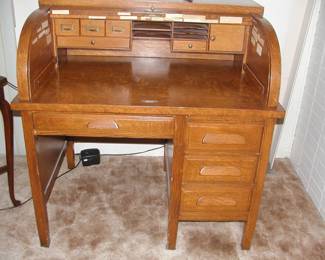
{"points": [[219, 170], [110, 34], [93, 33]]}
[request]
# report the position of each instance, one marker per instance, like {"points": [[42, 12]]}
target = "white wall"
{"points": [[286, 17], [308, 153], [8, 68]]}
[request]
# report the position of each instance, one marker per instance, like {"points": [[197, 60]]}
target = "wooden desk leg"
{"points": [[260, 177], [35, 182], [70, 155], [9, 140], [176, 183]]}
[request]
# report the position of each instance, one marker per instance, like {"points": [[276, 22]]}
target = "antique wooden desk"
{"points": [[202, 75]]}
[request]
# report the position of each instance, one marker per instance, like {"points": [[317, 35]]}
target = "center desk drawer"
{"points": [[224, 137], [103, 125]]}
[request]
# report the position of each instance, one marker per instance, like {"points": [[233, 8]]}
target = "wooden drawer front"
{"points": [[189, 46], [92, 27], [68, 27], [211, 198], [118, 29], [93, 43], [103, 125], [227, 38], [220, 169], [224, 137]]}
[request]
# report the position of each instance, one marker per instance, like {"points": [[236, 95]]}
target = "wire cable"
{"points": [[29, 199], [127, 154], [66, 172]]}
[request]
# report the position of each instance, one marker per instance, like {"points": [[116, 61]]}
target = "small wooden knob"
{"points": [[92, 42], [213, 38], [152, 8], [190, 45]]}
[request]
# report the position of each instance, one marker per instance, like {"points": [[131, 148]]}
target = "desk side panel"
{"points": [[263, 62], [35, 55]]}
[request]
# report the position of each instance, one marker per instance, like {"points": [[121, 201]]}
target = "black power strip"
{"points": [[90, 157]]}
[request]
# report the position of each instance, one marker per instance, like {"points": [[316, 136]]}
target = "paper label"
{"points": [[259, 49], [45, 24], [60, 12], [97, 17], [155, 18], [41, 34], [253, 41], [48, 39], [35, 41], [231, 19], [212, 21], [123, 13], [128, 17], [255, 35], [260, 40], [145, 18]]}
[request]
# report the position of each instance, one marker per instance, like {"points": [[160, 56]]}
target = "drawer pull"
{"points": [[103, 125], [117, 29], [205, 201], [92, 29], [66, 27], [190, 45], [213, 38], [223, 139], [220, 171]]}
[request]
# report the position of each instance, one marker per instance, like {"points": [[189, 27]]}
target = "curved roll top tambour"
{"points": [[202, 75]]}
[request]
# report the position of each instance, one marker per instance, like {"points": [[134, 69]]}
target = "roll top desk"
{"points": [[204, 76]]}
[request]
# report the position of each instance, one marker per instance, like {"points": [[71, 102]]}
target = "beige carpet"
{"points": [[118, 211]]}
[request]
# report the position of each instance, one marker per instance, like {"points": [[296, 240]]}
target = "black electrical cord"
{"points": [[23, 203], [127, 154], [61, 175]]}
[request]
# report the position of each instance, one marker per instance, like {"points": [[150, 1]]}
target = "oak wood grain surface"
{"points": [[149, 82], [210, 89]]}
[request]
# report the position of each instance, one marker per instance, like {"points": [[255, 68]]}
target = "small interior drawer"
{"points": [[93, 42], [103, 125], [67, 27], [227, 38], [209, 198], [118, 28], [224, 137], [189, 45], [240, 169], [92, 27]]}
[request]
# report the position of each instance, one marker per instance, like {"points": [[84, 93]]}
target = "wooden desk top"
{"points": [[170, 85], [149, 82]]}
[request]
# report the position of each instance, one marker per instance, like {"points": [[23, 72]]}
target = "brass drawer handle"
{"points": [[92, 29], [118, 29], [66, 27], [103, 125], [190, 45]]}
